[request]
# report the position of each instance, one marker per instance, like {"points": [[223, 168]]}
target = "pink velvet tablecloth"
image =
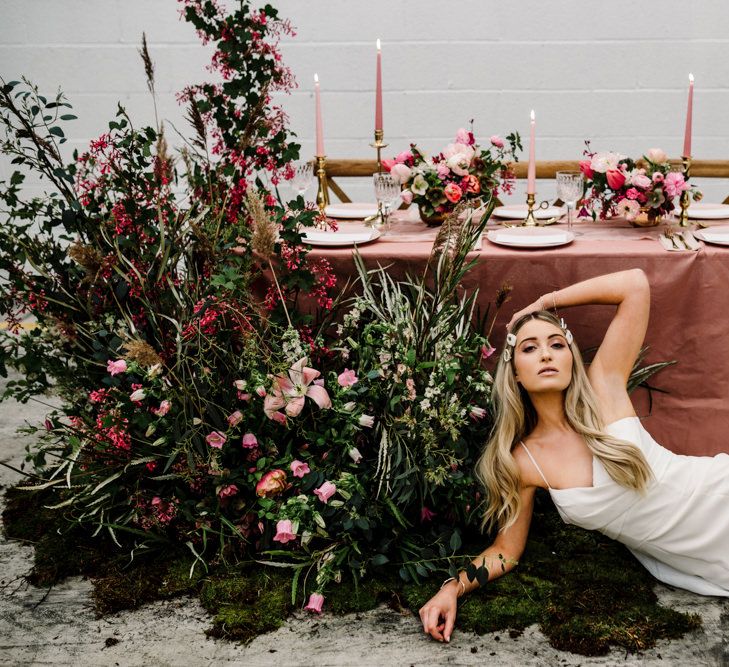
{"points": [[688, 322]]}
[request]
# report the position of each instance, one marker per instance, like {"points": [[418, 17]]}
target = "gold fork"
{"points": [[675, 239]]}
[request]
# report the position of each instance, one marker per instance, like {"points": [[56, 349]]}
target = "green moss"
{"points": [[587, 593], [246, 606]]}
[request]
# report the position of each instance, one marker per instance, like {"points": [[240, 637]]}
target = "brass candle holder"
{"points": [[530, 220], [322, 193], [378, 146], [683, 219]]}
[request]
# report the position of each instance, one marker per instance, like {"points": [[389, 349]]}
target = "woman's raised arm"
{"points": [[439, 613]]}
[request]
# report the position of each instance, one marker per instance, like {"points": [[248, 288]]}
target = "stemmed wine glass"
{"points": [[303, 176], [569, 190], [387, 192]]}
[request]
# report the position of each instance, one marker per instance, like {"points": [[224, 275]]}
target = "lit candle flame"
{"points": [[379, 46], [316, 78], [691, 78], [532, 115]]}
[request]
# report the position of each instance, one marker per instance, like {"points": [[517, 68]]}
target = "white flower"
{"points": [[137, 395], [458, 164], [601, 162], [656, 156], [240, 385], [354, 454], [368, 421], [349, 407], [401, 173], [419, 185], [154, 371], [459, 149]]}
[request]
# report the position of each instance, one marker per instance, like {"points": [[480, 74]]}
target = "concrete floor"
{"points": [[59, 627]]}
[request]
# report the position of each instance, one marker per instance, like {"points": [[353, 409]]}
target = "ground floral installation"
{"points": [[222, 394]]}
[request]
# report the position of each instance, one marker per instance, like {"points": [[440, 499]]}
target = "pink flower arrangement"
{"points": [[299, 468], [116, 367], [316, 600], [617, 185], [284, 532], [216, 439], [462, 171], [325, 491]]}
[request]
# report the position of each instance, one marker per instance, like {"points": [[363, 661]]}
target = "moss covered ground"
{"points": [[584, 591]]}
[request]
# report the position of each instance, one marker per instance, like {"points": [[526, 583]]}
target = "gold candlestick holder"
{"points": [[683, 219], [378, 146], [322, 193], [530, 220]]}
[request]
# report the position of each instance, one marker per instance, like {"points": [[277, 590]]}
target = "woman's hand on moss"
{"points": [[438, 614]]}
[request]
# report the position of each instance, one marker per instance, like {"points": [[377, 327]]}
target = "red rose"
{"points": [[586, 169], [453, 193], [615, 179]]}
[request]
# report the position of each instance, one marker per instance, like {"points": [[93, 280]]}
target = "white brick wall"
{"points": [[613, 72]]}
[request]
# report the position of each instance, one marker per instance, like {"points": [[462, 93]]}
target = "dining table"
{"points": [[687, 407]]}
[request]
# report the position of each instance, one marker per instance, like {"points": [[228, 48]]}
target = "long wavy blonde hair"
{"points": [[516, 417]]}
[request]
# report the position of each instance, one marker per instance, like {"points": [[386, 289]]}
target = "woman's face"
{"points": [[542, 358]]}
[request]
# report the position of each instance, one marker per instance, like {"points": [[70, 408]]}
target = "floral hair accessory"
{"points": [[510, 343], [567, 333]]}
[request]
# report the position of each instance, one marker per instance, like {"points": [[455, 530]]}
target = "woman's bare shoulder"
{"points": [[527, 473]]}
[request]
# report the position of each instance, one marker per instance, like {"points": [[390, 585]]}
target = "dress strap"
{"points": [[536, 465]]}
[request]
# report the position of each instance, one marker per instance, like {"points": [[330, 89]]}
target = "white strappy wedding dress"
{"points": [[678, 529]]}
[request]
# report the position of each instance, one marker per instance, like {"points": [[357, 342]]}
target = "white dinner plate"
{"points": [[708, 211], [351, 210], [717, 235], [530, 237], [519, 211], [334, 239]]}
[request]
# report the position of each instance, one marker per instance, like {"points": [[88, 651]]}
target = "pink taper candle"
{"points": [[319, 127], [532, 170], [378, 89], [689, 117]]}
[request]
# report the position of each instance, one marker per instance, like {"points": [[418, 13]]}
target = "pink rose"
{"points": [[228, 491], [407, 197], [299, 468], [284, 532], [271, 484], [497, 141], [404, 157], [674, 184], [325, 491], [586, 169], [442, 170], [640, 181], [249, 441], [316, 600], [632, 193], [216, 439], [163, 409], [388, 164], [463, 136], [453, 193], [116, 367], [615, 179], [658, 177], [235, 418], [401, 173], [347, 378]]}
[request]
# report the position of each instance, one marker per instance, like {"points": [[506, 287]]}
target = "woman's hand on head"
{"points": [[438, 614], [531, 308]]}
